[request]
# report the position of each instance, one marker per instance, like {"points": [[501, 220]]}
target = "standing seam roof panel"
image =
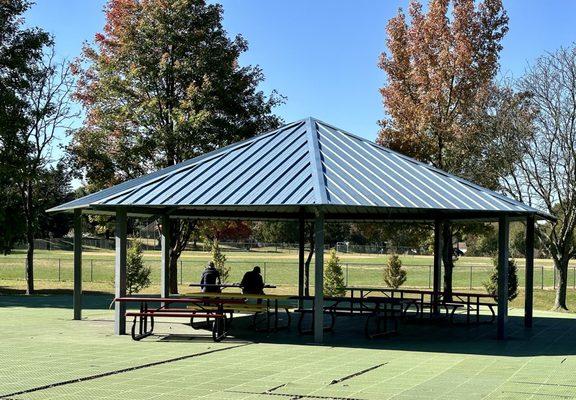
{"points": [[397, 181], [226, 175]]}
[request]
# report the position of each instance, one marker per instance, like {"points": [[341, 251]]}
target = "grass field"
{"points": [[54, 270], [47, 355]]}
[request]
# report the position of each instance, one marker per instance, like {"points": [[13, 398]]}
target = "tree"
{"points": [[49, 111], [440, 74], [491, 285], [394, 274], [334, 276], [211, 230], [35, 105], [163, 84], [219, 261], [137, 274], [54, 188], [20, 49], [276, 231], [12, 227], [545, 173]]}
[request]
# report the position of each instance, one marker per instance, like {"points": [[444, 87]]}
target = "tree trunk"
{"points": [[307, 264], [447, 260], [561, 269], [29, 215], [179, 237], [30, 262], [173, 270]]}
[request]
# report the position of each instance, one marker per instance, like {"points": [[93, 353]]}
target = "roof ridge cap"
{"points": [[316, 162]]}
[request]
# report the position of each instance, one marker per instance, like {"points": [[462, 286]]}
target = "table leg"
{"points": [[268, 315], [275, 314]]}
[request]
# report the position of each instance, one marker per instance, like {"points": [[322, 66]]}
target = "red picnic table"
{"points": [[208, 308]]}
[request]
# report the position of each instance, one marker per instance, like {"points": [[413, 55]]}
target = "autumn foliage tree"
{"points": [[441, 65], [161, 84]]}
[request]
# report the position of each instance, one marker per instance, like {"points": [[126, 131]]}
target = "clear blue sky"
{"points": [[322, 54]]}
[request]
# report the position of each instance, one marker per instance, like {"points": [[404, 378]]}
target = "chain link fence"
{"points": [[274, 272]]}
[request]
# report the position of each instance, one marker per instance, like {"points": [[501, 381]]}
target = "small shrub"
{"points": [[394, 274], [137, 274], [334, 276], [492, 284], [219, 260]]}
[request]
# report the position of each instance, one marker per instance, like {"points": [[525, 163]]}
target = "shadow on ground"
{"points": [[53, 298], [553, 334], [550, 336]]}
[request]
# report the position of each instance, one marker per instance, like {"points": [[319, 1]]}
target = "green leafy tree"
{"points": [[54, 188], [394, 274], [137, 274], [161, 84], [334, 284], [19, 49], [491, 285], [219, 260], [36, 89], [276, 231]]}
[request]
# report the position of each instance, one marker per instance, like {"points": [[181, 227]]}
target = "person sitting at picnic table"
{"points": [[210, 280], [252, 282]]}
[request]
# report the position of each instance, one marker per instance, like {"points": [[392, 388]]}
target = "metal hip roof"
{"points": [[304, 163]]}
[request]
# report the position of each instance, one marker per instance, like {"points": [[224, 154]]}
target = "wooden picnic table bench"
{"points": [[210, 309], [266, 310]]}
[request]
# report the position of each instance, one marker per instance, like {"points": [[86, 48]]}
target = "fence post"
{"points": [[429, 276], [91, 270], [470, 277], [542, 267], [59, 269]]}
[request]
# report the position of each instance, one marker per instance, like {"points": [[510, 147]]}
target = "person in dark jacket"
{"points": [[210, 276], [252, 282]]}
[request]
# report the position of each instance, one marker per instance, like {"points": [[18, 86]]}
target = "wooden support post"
{"points": [[503, 235], [165, 257], [319, 278], [77, 300], [301, 250], [437, 274], [120, 273], [529, 279]]}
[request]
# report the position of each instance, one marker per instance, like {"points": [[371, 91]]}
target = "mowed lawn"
{"points": [[54, 271], [280, 268], [46, 355]]}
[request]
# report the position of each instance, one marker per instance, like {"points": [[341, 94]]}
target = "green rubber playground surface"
{"points": [[46, 355]]}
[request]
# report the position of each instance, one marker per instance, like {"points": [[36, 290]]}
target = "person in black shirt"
{"points": [[252, 282], [210, 276]]}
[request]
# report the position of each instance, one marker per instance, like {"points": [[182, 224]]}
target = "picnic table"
{"points": [[210, 309], [380, 312], [471, 303], [267, 306]]}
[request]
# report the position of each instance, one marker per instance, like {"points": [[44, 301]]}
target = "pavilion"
{"points": [[307, 170]]}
